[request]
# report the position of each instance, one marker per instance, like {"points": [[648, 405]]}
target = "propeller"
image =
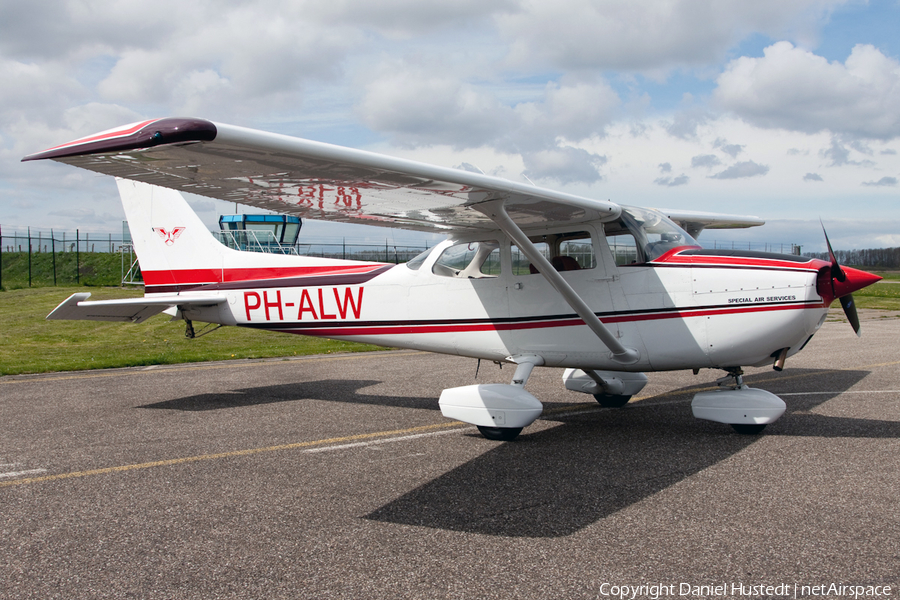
{"points": [[843, 282]]}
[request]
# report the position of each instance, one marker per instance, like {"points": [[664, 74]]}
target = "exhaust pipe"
{"points": [[779, 361]]}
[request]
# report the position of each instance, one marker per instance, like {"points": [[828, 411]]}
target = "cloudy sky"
{"points": [[789, 111]]}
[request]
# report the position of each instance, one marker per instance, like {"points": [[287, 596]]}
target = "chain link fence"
{"points": [[34, 258], [31, 257]]}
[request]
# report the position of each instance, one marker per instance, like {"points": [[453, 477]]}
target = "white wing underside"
{"points": [[320, 181]]}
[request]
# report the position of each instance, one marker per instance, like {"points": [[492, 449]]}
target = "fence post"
{"points": [[29, 257], [53, 250], [1, 258], [77, 257]]}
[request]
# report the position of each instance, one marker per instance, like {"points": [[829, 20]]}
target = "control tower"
{"points": [[274, 234]]}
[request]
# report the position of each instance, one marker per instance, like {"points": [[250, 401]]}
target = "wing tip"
{"points": [[146, 134]]}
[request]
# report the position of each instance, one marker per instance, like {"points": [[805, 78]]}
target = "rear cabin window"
{"points": [[416, 262], [571, 251], [469, 260]]}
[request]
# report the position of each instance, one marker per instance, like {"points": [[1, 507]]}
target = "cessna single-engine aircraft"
{"points": [[528, 275]]}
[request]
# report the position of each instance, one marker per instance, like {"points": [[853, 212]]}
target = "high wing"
{"points": [[315, 180], [694, 222], [135, 310]]}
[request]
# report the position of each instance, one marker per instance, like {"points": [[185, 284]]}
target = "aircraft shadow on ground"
{"points": [[332, 390], [557, 481]]}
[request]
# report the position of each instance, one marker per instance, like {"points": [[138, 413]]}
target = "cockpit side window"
{"points": [[624, 249], [639, 236], [469, 260]]}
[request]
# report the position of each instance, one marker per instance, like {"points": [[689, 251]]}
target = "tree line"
{"points": [[885, 258]]}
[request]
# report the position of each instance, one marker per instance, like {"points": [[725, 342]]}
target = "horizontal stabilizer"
{"points": [[134, 310]]}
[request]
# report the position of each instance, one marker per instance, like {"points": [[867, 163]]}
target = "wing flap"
{"points": [[133, 310]]}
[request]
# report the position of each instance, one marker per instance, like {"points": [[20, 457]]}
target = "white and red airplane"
{"points": [[528, 275]]}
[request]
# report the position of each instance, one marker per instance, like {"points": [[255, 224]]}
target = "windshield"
{"points": [[641, 235]]}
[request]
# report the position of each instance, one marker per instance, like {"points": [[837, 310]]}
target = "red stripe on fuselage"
{"points": [[204, 276], [412, 328], [676, 257]]}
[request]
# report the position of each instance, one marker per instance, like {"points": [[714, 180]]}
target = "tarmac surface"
{"points": [[337, 477]]}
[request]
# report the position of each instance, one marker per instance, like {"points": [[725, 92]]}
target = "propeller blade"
{"points": [[844, 281], [849, 307], [836, 271]]}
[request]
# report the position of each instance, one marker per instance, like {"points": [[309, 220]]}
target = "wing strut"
{"points": [[495, 210]]}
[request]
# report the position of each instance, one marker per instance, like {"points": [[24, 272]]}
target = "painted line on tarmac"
{"points": [[235, 453], [840, 393], [22, 473], [387, 441]]}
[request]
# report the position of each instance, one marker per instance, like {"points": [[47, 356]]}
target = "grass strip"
{"points": [[31, 344]]}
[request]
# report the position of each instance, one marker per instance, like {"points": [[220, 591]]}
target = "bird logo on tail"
{"points": [[169, 236]]}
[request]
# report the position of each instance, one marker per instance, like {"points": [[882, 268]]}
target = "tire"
{"points": [[748, 429], [500, 434], [611, 400]]}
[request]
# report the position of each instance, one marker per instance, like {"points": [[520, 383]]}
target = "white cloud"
{"points": [[404, 19], [839, 154], [795, 89], [672, 181], [564, 165], [731, 150], [883, 182], [707, 161], [513, 86], [575, 111], [649, 35], [740, 170], [419, 107]]}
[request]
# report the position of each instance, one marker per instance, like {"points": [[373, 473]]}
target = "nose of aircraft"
{"points": [[854, 279], [840, 282]]}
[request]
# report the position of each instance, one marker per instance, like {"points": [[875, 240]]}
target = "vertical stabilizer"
{"points": [[172, 243], [178, 253]]}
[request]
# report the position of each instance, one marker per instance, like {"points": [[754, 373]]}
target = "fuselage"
{"points": [[474, 296]]}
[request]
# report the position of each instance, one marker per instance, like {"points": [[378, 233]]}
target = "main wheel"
{"points": [[748, 429], [612, 400], [500, 434]]}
